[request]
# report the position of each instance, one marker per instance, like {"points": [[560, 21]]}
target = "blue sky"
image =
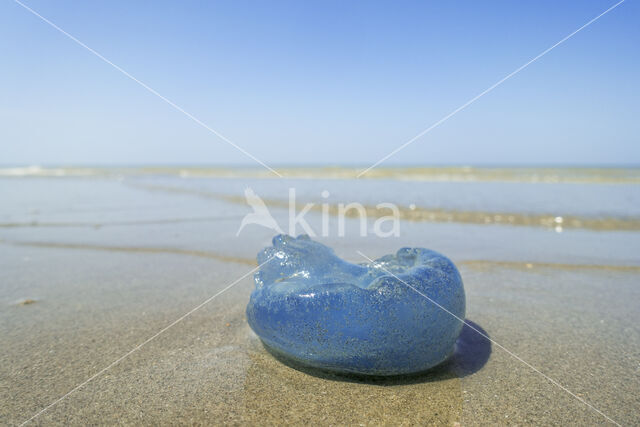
{"points": [[319, 82]]}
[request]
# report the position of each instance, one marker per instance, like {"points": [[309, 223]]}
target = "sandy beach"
{"points": [[92, 267]]}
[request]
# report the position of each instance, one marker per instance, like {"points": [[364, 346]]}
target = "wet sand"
{"points": [[422, 214], [76, 299]]}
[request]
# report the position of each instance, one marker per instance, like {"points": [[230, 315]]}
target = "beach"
{"points": [[104, 273]]}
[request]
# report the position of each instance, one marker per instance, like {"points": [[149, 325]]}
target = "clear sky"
{"points": [[319, 82]]}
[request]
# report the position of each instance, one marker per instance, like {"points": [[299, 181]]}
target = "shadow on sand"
{"points": [[471, 354]]}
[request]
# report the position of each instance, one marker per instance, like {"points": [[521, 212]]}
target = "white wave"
{"points": [[36, 170]]}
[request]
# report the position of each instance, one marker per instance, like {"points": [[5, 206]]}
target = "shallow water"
{"points": [[107, 260]]}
